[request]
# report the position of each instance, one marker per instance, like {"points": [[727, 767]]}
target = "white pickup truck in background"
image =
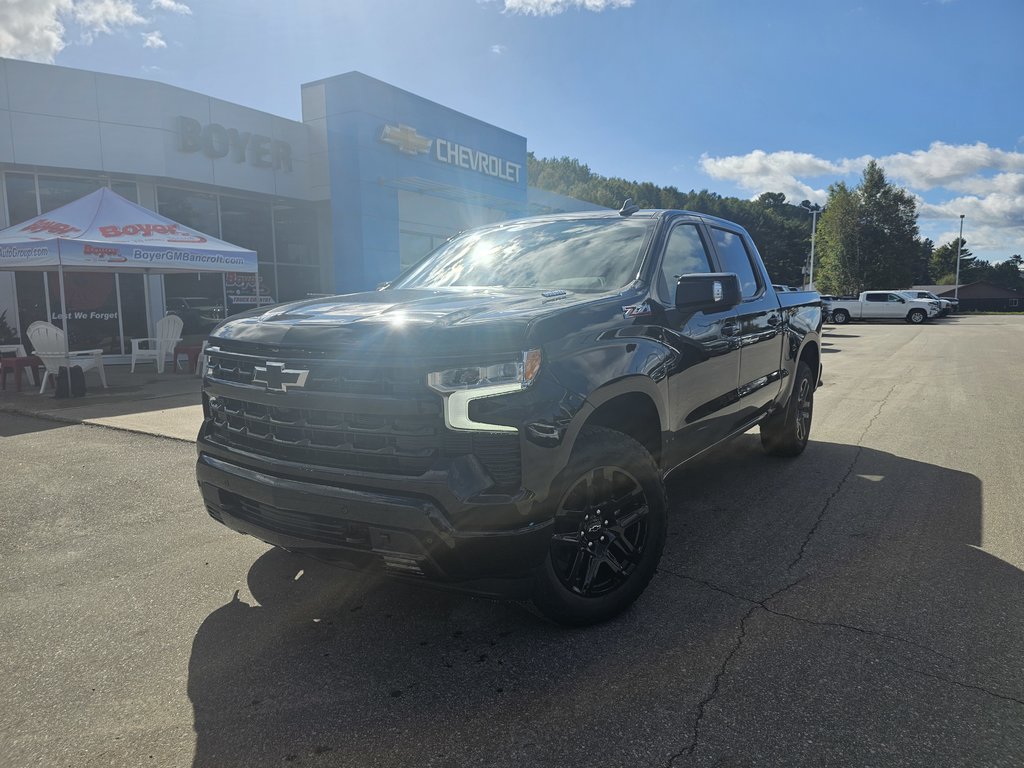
{"points": [[883, 305], [946, 306]]}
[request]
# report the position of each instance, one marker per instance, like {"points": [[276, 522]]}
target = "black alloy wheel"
{"points": [[786, 433], [601, 532], [608, 530]]}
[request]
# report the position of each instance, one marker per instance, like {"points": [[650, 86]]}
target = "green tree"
{"points": [[943, 263], [839, 245], [1009, 273], [921, 265], [869, 236], [781, 231]]}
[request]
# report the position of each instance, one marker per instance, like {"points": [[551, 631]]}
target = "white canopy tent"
{"points": [[104, 232]]}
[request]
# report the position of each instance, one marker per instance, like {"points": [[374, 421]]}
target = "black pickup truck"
{"points": [[501, 418]]}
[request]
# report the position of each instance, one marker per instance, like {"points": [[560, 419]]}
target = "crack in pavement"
{"points": [[713, 693], [804, 620], [839, 487], [762, 604], [958, 683]]}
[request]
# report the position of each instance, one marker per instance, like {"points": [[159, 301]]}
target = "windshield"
{"points": [[575, 254]]}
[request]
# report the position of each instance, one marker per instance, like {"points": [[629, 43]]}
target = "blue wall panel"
{"points": [[366, 172]]}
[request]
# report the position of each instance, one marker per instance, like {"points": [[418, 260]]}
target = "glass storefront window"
{"points": [[295, 237], [298, 283], [196, 210], [31, 300], [55, 191], [198, 299], [92, 321], [133, 308], [21, 197], [129, 190], [247, 223], [268, 282]]}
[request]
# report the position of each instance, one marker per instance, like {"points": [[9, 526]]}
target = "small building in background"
{"points": [[981, 296]]}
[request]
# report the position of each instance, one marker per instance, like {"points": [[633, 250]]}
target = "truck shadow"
{"points": [[326, 667]]}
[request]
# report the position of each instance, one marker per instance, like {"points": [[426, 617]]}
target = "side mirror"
{"points": [[714, 292]]}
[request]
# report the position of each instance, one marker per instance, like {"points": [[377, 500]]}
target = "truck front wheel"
{"points": [[609, 530], [786, 433], [840, 316], [916, 316]]}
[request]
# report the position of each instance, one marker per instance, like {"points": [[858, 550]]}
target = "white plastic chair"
{"points": [[50, 346], [157, 348]]}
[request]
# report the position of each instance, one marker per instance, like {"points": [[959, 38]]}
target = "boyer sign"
{"points": [[216, 142]]}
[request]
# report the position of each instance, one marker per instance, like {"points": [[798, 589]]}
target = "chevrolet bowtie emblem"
{"points": [[276, 378], [406, 139]]}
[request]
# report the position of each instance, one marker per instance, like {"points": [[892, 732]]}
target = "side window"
{"points": [[894, 298], [735, 258], [875, 297], [684, 254]]}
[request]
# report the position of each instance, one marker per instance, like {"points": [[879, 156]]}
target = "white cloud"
{"points": [[760, 171], [553, 7], [153, 40], [946, 165], [32, 29], [106, 15], [497, 50], [35, 29], [987, 185], [172, 6]]}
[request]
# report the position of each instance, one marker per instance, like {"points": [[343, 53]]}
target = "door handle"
{"points": [[730, 328]]}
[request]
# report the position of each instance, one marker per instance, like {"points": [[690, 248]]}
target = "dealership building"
{"points": [[370, 180]]}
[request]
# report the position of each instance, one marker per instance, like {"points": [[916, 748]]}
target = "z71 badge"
{"points": [[637, 310]]}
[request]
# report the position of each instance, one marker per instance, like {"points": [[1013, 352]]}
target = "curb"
{"points": [[56, 417]]}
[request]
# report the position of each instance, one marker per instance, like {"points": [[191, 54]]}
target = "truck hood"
{"points": [[416, 322]]}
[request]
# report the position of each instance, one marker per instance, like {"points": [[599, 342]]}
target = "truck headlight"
{"points": [[462, 385]]}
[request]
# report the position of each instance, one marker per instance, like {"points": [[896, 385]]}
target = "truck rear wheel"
{"points": [[786, 433], [840, 316], [609, 530]]}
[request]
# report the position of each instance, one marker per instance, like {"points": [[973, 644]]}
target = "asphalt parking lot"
{"points": [[859, 606]]}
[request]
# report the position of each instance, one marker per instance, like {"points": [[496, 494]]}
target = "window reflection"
{"points": [[577, 255]]}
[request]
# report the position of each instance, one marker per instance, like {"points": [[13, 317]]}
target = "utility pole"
{"points": [[959, 242], [814, 209]]}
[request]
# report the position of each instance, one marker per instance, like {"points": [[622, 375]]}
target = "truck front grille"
{"points": [[387, 444], [368, 439]]}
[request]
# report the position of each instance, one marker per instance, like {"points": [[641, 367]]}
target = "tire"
{"points": [[609, 530], [916, 316], [786, 433], [840, 316]]}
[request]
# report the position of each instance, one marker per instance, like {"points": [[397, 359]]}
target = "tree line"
{"points": [[867, 235]]}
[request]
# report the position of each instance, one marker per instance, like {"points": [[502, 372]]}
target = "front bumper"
{"points": [[402, 534]]}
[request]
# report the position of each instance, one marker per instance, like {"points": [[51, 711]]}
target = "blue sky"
{"points": [[736, 96]]}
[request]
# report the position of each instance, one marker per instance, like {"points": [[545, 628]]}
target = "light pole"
{"points": [[959, 242], [814, 209]]}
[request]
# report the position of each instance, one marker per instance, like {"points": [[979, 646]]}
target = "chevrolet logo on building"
{"points": [[406, 139], [276, 378]]}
